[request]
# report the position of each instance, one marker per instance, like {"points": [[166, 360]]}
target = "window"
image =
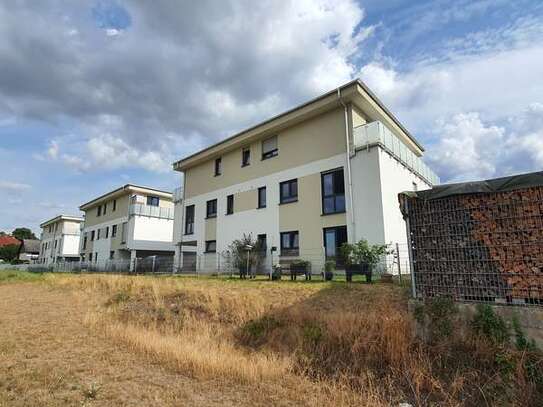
{"points": [[56, 241], [92, 235], [82, 257], [90, 256], [211, 246], [262, 244], [269, 148], [99, 210], [189, 220], [98, 234], [289, 191], [334, 238], [211, 210], [333, 192], [105, 209], [153, 200], [230, 204], [95, 257], [114, 231], [289, 244], [261, 197], [111, 255], [84, 241], [245, 157], [124, 231], [107, 232], [114, 205], [56, 227], [218, 166]]}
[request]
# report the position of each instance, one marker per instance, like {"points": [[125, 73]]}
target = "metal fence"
{"points": [[147, 265], [263, 264], [478, 247]]}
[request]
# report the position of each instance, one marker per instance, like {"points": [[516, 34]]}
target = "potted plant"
{"points": [[300, 267], [276, 273], [329, 268], [361, 258]]}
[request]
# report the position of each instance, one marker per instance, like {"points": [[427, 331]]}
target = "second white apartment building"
{"points": [[127, 223], [303, 183], [59, 240]]}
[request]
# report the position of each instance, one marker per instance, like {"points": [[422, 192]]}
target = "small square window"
{"points": [[153, 200], [290, 243], [245, 157], [211, 210], [269, 148], [288, 191], [218, 166], [211, 246], [230, 204]]}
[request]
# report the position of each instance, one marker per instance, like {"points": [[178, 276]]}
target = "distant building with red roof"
{"points": [[7, 240]]}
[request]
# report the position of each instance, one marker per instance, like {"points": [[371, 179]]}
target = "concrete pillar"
{"points": [[132, 261]]}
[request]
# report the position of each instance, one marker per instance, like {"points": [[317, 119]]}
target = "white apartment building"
{"points": [[59, 240], [127, 223], [303, 182]]}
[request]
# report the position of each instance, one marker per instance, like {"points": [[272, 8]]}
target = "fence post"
{"points": [[399, 265], [409, 250]]}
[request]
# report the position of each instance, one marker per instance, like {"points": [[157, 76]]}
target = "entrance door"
{"points": [[333, 240]]}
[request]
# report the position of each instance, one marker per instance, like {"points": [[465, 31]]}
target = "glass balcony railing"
{"points": [[376, 133], [151, 211], [178, 194]]}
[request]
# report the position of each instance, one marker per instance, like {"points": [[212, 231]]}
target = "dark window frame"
{"points": [[292, 250], [290, 198], [211, 204], [272, 153], [114, 231], [246, 157], [114, 205], [93, 234], [230, 204], [208, 242], [335, 196], [259, 203], [99, 211], [218, 167], [262, 237], [153, 200], [189, 221], [104, 210], [107, 232]]}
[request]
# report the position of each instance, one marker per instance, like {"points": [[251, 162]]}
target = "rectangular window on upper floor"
{"points": [[261, 197], [92, 235], [114, 231], [288, 191], [114, 205], [269, 148], [99, 210], [245, 157], [333, 192], [230, 204], [211, 208], [218, 166], [105, 209], [153, 200], [189, 220]]}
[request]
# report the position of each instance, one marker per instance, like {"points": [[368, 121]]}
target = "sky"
{"points": [[97, 94]]}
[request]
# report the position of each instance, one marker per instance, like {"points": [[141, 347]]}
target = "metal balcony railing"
{"points": [[178, 194], [151, 211], [376, 133]]}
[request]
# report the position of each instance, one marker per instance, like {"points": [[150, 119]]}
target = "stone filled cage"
{"points": [[478, 241]]}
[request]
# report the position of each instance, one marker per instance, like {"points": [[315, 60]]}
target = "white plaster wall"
{"points": [[368, 208], [70, 245], [153, 229], [71, 228], [395, 178]]}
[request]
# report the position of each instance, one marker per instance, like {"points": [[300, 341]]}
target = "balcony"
{"points": [[376, 133], [178, 194], [138, 209]]}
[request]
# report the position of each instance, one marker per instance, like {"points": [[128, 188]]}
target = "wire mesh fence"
{"points": [[485, 247]]}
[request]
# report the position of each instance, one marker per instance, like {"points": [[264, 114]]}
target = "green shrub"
{"points": [[254, 331], [489, 325], [440, 312], [312, 333]]}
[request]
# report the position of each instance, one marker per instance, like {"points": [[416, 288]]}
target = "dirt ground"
{"points": [[49, 357]]}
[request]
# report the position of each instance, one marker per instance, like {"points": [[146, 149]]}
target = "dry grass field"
{"points": [[119, 340]]}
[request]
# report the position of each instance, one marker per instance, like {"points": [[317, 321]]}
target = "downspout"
{"points": [[348, 156], [182, 226]]}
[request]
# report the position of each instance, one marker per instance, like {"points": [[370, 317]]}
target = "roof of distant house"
{"points": [[7, 240], [30, 246]]}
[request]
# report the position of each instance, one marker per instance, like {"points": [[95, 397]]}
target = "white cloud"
{"points": [[14, 186]]}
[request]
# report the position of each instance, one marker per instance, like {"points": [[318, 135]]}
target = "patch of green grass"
{"points": [[14, 276]]}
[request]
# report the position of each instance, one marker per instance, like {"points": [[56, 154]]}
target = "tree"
{"points": [[23, 233], [9, 252]]}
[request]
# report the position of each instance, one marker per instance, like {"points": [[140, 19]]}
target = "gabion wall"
{"points": [[485, 247]]}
